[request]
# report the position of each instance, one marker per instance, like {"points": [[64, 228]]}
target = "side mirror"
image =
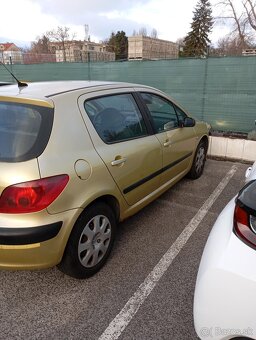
{"points": [[189, 122]]}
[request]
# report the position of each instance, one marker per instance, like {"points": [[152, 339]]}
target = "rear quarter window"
{"points": [[24, 131]]}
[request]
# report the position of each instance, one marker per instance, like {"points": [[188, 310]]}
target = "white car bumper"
{"points": [[225, 294]]}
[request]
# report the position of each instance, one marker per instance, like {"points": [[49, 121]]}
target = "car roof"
{"points": [[43, 90]]}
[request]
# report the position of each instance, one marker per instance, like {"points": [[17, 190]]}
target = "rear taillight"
{"points": [[245, 225], [32, 196]]}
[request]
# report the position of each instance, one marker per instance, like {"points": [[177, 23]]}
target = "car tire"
{"points": [[199, 161], [90, 242]]}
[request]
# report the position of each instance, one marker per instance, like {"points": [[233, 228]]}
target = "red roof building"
{"points": [[10, 54]]}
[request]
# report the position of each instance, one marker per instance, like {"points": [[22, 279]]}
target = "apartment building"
{"points": [[146, 48], [81, 51], [249, 52]]}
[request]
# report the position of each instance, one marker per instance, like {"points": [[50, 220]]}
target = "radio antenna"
{"points": [[20, 83]]}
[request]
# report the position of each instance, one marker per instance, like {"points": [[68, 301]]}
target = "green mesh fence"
{"points": [[221, 91]]}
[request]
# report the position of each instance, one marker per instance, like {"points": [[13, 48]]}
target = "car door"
{"points": [[178, 143], [122, 138]]}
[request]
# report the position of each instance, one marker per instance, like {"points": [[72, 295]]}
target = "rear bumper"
{"points": [[19, 236], [28, 244]]}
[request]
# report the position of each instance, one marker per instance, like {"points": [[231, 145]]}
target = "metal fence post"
{"points": [[89, 66]]}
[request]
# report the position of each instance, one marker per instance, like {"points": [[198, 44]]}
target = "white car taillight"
{"points": [[245, 214]]}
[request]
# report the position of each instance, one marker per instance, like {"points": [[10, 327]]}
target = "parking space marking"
{"points": [[173, 204], [121, 321]]}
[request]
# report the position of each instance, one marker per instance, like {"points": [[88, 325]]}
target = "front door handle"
{"points": [[118, 161], [167, 143]]}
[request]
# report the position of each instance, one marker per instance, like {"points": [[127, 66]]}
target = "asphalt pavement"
{"points": [[145, 291]]}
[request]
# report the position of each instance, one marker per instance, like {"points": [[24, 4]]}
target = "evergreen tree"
{"points": [[197, 40], [118, 43]]}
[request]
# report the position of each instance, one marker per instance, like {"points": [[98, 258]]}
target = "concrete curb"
{"points": [[232, 149]]}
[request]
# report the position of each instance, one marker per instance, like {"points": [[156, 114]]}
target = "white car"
{"points": [[250, 173], [225, 293]]}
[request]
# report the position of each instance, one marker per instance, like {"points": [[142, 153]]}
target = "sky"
{"points": [[22, 21]]}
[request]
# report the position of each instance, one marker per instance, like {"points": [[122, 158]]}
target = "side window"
{"points": [[181, 115], [116, 117], [162, 112]]}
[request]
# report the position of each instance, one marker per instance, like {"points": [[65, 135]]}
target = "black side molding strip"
{"points": [[21, 236], [158, 172], [171, 165]]}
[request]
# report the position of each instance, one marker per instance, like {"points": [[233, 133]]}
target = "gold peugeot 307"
{"points": [[77, 157]]}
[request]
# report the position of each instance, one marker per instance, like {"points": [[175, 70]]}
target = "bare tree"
{"points": [[250, 8], [143, 31], [25, 49], [61, 35], [40, 45], [181, 43], [154, 33], [227, 46], [244, 24]]}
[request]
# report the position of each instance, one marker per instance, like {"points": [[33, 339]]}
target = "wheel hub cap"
{"points": [[200, 159], [94, 241]]}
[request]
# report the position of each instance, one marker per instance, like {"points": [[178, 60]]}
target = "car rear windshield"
{"points": [[24, 131]]}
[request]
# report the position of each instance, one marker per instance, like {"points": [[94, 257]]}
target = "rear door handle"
{"points": [[118, 161]]}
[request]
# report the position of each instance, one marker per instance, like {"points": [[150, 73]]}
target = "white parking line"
{"points": [[120, 322]]}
